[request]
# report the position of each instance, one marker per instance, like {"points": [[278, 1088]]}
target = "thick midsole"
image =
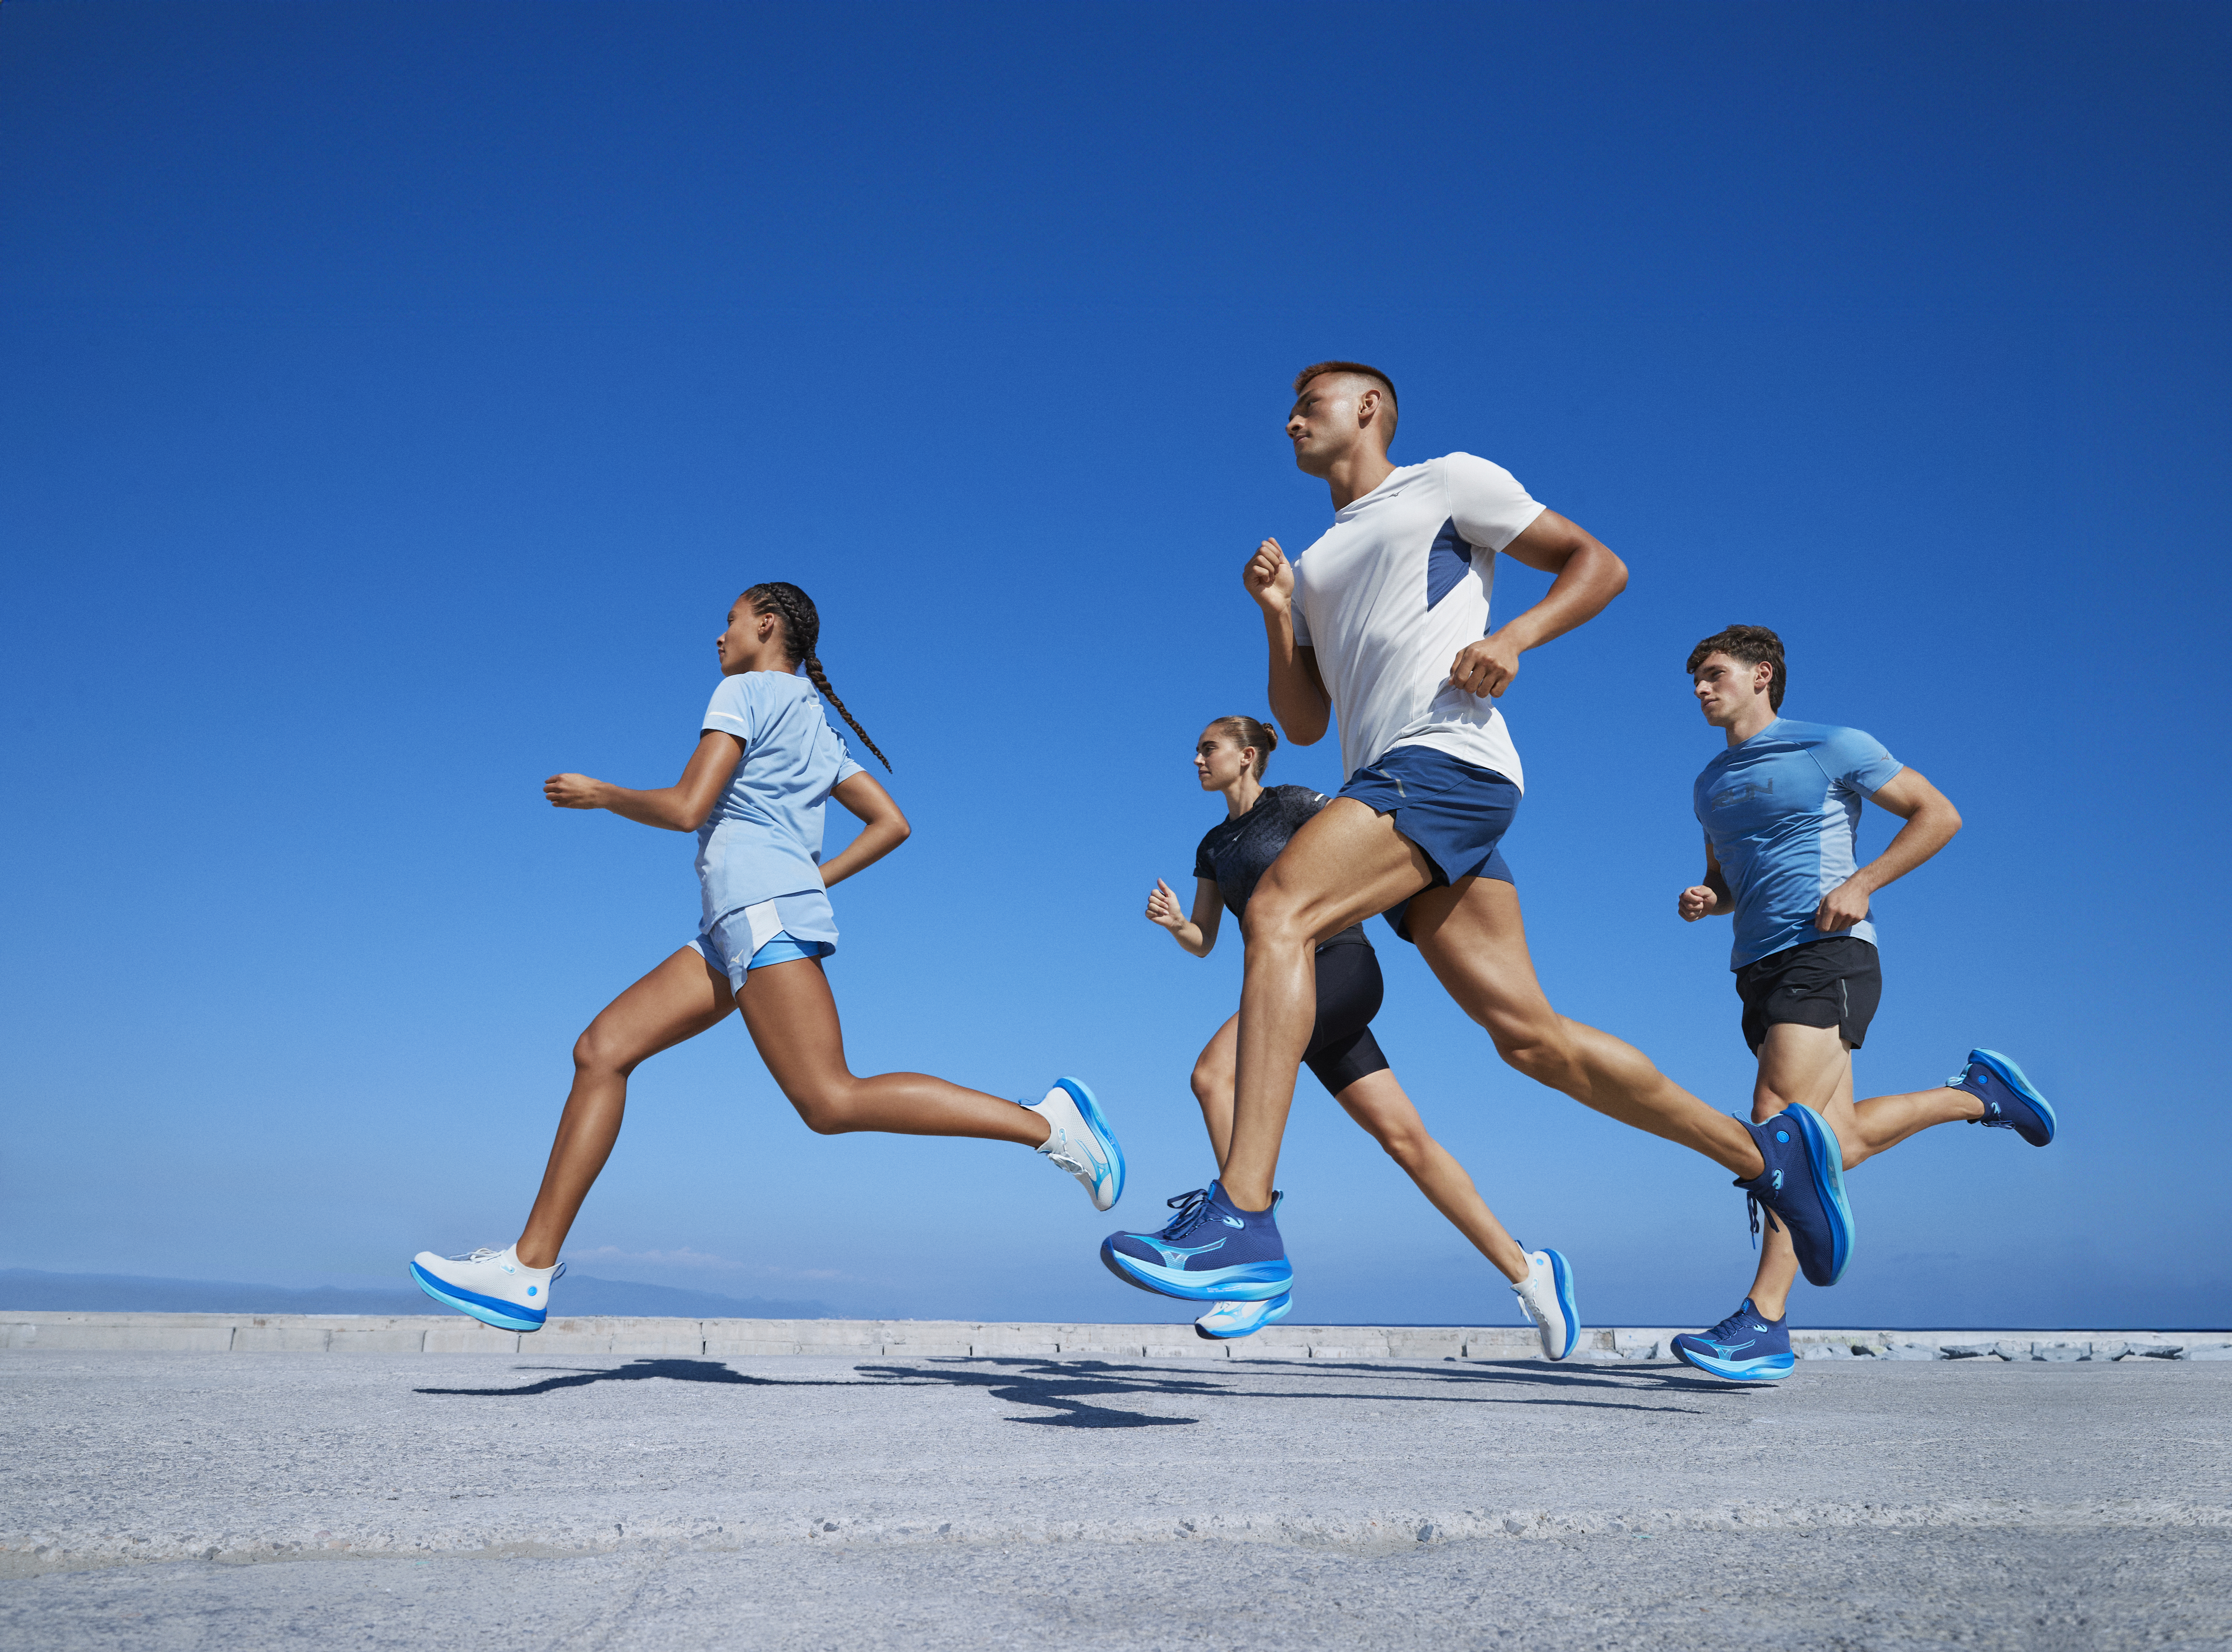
{"points": [[1250, 1282]]}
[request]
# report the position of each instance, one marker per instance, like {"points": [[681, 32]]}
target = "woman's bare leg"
{"points": [[1214, 1071], [793, 1020], [680, 999], [1377, 1101]]}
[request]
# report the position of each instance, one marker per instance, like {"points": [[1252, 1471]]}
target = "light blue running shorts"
{"points": [[753, 937]]}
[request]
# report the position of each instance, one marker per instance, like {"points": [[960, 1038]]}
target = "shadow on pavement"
{"points": [[1076, 1390]]}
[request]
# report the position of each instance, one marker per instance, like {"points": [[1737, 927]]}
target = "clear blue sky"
{"points": [[397, 394]]}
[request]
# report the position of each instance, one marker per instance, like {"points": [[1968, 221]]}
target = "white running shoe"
{"points": [[1229, 1319], [1547, 1294], [1081, 1143], [493, 1286]]}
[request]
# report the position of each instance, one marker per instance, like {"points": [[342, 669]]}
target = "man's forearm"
{"points": [[1297, 702], [1922, 836], [1592, 576]]}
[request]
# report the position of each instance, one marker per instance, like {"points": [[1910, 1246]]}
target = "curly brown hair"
{"points": [[1751, 645]]}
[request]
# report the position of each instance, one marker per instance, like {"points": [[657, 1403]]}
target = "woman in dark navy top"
{"points": [[1229, 759]]}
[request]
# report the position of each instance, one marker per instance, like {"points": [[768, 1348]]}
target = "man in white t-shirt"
{"points": [[1384, 621]]}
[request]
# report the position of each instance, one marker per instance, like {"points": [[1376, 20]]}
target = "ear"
{"points": [[1367, 408]]}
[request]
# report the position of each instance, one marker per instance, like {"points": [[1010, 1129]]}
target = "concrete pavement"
{"points": [[495, 1500]]}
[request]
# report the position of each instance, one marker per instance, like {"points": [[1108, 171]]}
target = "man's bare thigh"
{"points": [[1347, 864]]}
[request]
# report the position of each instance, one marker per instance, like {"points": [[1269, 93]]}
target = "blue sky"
{"points": [[399, 393]]}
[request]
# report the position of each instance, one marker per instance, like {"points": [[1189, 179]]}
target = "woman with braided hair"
{"points": [[766, 762], [1229, 759]]}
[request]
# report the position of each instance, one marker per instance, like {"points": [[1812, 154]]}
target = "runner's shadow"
{"points": [[1058, 1385], [639, 1371], [1068, 1391], [1067, 1388]]}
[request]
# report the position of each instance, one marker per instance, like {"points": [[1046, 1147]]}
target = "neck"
{"points": [[1356, 473], [1241, 795], [1756, 717]]}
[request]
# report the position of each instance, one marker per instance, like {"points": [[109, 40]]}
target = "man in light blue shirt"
{"points": [[1780, 808]]}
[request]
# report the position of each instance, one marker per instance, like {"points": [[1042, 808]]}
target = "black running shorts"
{"points": [[1834, 981], [1342, 1049]]}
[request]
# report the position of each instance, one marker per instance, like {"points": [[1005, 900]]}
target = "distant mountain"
{"points": [[27, 1288]]}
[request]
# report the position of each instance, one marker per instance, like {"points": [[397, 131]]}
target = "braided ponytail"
{"points": [[802, 631]]}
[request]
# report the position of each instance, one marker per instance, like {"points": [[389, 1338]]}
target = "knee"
{"points": [[1764, 1107], [827, 1110], [598, 1051], [1538, 1052], [1209, 1083], [1273, 918], [1408, 1149]]}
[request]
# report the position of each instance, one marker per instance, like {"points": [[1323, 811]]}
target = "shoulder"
{"points": [[1828, 736], [1469, 471]]}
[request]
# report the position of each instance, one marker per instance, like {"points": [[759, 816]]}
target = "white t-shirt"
{"points": [[1392, 590]]}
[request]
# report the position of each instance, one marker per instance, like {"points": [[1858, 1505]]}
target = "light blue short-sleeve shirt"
{"points": [[763, 838], [1782, 812]]}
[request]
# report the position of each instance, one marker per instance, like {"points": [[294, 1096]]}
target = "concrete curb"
{"points": [[663, 1338]]}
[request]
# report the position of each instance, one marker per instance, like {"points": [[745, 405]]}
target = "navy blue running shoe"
{"points": [[1804, 1184], [1746, 1347], [2011, 1101], [1211, 1251]]}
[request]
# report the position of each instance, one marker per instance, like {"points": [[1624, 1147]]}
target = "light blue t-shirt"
{"points": [[763, 838], [1782, 812]]}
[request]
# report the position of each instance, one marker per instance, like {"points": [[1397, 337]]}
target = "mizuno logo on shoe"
{"points": [[1778, 1180], [1725, 1349], [1232, 1221], [1175, 1255]]}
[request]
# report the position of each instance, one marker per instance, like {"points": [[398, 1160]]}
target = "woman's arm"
{"points": [[882, 828], [682, 807], [1199, 933]]}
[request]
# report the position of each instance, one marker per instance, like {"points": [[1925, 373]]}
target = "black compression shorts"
{"points": [[1342, 1049]]}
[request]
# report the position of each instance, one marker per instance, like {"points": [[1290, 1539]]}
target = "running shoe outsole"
{"points": [[2017, 1081], [1564, 1277], [1826, 1157], [1081, 1094]]}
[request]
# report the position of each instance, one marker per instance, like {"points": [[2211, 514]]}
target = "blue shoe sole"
{"points": [[1274, 1310], [1563, 1277], [2016, 1079], [1826, 1158], [1773, 1369], [1081, 1094], [1250, 1282], [479, 1307]]}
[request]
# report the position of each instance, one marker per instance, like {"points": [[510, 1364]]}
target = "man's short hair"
{"points": [[1359, 368], [1750, 644]]}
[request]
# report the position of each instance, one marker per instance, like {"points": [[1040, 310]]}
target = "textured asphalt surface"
{"points": [[157, 1500]]}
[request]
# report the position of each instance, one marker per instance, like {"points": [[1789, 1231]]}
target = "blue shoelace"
{"points": [[1727, 1328], [1193, 1210]]}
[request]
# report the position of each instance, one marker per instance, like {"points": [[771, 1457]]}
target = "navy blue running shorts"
{"points": [[1835, 981], [1455, 811]]}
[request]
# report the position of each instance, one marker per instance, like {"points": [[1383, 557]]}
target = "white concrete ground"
{"points": [[190, 1500]]}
